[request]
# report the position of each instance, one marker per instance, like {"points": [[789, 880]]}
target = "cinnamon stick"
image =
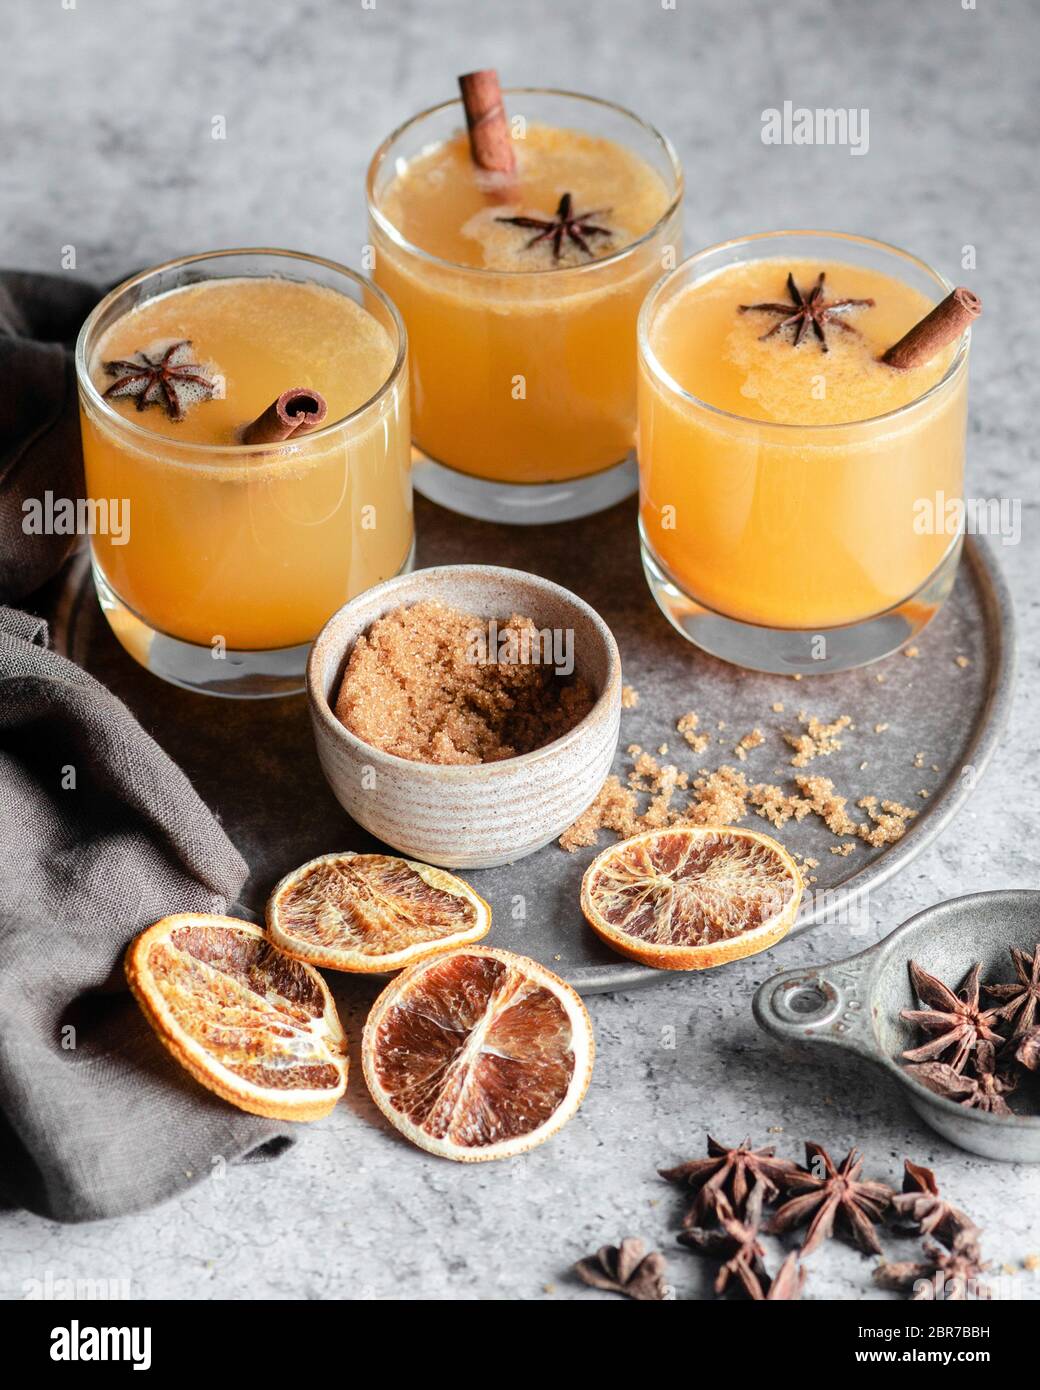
{"points": [[490, 144], [945, 324], [296, 411]]}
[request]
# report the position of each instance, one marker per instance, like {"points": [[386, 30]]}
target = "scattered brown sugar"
{"points": [[687, 726], [725, 797], [615, 808], [890, 821], [629, 697], [754, 739], [817, 739], [434, 685], [776, 806], [719, 798], [827, 804]]}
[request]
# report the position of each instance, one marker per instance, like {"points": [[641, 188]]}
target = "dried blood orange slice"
{"points": [[372, 912], [686, 898], [247, 1022], [478, 1053]]}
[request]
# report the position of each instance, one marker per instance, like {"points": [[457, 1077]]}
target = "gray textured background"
{"points": [[107, 111]]}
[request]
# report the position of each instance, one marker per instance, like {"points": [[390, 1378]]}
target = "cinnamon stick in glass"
{"points": [[944, 325], [490, 143], [296, 411]]}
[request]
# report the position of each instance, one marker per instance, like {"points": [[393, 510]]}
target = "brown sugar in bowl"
{"points": [[477, 815]]}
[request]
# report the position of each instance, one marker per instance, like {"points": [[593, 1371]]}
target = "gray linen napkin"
{"points": [[100, 835]]}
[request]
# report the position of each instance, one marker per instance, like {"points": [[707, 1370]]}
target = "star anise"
{"points": [[788, 1283], [736, 1245], [1028, 1050], [985, 1090], [809, 308], [626, 1269], [732, 1173], [920, 1204], [947, 1276], [1023, 998], [956, 1019], [169, 378], [577, 226], [835, 1192]]}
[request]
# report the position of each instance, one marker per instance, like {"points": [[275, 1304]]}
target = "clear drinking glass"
{"points": [[789, 547], [236, 555], [564, 448]]}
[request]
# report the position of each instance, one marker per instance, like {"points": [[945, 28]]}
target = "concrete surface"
{"points": [[108, 114]]}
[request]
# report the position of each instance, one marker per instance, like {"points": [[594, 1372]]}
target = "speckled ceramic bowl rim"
{"points": [[468, 772]]}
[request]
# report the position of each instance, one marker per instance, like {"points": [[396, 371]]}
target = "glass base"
{"points": [[786, 652], [523, 504], [237, 675]]}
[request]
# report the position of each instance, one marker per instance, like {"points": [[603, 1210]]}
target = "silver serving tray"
{"points": [[254, 761]]}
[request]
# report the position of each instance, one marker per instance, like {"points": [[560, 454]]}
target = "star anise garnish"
{"points": [[809, 308], [985, 1090], [576, 226], [921, 1205], [838, 1191], [956, 1019], [732, 1173], [169, 378], [626, 1269], [1023, 998], [947, 1276], [736, 1245]]}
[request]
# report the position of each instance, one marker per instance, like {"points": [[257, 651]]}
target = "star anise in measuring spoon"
{"points": [[731, 1173], [1022, 1000], [1028, 1050], [577, 226], [626, 1269], [984, 1090], [827, 1192], [956, 1020], [808, 308], [169, 378], [947, 1276], [736, 1245], [921, 1205]]}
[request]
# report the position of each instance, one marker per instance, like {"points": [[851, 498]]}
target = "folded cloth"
{"points": [[40, 316], [100, 835]]}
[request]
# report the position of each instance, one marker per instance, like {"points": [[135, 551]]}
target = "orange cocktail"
{"points": [[522, 342], [785, 469], [236, 554]]}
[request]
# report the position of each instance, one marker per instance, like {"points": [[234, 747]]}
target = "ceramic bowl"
{"points": [[855, 1004], [469, 817]]}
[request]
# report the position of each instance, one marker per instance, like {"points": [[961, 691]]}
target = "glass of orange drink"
{"points": [[234, 554], [522, 342], [788, 476]]}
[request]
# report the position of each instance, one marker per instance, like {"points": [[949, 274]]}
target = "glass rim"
{"points": [[665, 379], [202, 450], [403, 243]]}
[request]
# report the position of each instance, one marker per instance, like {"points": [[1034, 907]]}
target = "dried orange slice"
{"points": [[247, 1022], [687, 898], [372, 912], [478, 1054]]}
